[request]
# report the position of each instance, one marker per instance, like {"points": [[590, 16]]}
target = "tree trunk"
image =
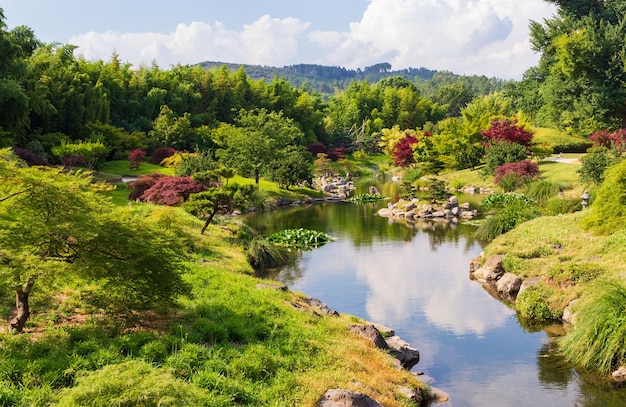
{"points": [[256, 176], [21, 304], [207, 223]]}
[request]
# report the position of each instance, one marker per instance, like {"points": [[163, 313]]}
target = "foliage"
{"points": [[615, 140], [55, 224], [361, 198], [510, 211], [524, 171], [171, 191], [257, 140], [92, 153], [608, 212], [403, 151], [595, 163], [291, 168], [263, 254], [135, 157], [507, 130], [531, 303], [301, 238], [502, 152], [160, 154], [542, 191], [142, 184], [30, 157], [598, 339], [196, 162], [437, 190], [559, 141], [172, 131], [218, 200]]}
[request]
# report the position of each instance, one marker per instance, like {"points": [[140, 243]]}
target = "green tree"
{"points": [[55, 223], [172, 131], [218, 200], [256, 141], [291, 168]]}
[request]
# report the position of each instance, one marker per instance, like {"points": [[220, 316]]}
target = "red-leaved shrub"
{"points": [[171, 190], [524, 169], [144, 182], [507, 130], [337, 153], [316, 148], [135, 157], [160, 154], [403, 151], [603, 138]]}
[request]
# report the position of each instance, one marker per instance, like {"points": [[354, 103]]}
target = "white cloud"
{"points": [[267, 41], [488, 37]]}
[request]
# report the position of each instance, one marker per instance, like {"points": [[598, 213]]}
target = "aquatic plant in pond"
{"points": [[300, 237]]}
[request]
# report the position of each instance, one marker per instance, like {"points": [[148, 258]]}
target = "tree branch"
{"points": [[12, 195]]}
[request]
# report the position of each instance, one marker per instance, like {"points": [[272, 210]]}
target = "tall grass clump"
{"points": [[263, 254], [509, 210], [598, 339], [542, 191]]}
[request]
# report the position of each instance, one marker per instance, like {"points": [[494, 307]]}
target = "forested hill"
{"points": [[327, 79]]}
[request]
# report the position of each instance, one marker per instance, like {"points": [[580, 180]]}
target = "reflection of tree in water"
{"points": [[598, 391]]}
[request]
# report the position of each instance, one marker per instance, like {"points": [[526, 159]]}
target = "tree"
{"points": [[507, 130], [403, 151], [218, 200], [291, 168], [135, 157], [502, 152], [256, 141], [91, 152], [53, 223], [171, 190], [172, 131]]}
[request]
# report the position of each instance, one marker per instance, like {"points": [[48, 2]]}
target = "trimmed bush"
{"points": [[607, 214], [160, 154]]}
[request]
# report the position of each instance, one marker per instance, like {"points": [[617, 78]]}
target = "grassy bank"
{"points": [[227, 343]]}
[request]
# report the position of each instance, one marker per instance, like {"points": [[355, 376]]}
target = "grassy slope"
{"points": [[228, 343]]}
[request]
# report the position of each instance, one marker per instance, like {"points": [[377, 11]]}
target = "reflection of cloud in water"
{"points": [[410, 279]]}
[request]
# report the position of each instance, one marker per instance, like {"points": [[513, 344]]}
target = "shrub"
{"points": [[92, 153], [598, 339], [337, 153], [402, 152], [608, 140], [171, 190], [137, 188], [607, 214], [532, 304], [135, 157], [511, 210], [160, 154], [595, 163], [30, 157], [524, 169], [560, 206], [317, 148], [500, 153]]}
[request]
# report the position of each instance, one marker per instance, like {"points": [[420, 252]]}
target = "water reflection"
{"points": [[416, 280]]}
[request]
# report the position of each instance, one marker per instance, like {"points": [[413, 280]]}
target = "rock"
{"points": [[384, 330], [508, 285], [370, 332], [569, 316], [455, 211], [346, 398], [620, 374], [529, 282], [410, 206], [438, 214], [475, 264], [465, 205], [454, 201], [492, 269], [373, 190], [402, 351], [321, 307], [439, 395]]}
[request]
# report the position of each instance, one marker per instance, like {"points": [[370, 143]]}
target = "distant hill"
{"points": [[327, 79]]}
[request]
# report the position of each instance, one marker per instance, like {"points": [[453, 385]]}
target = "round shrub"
{"points": [[532, 303], [608, 211]]}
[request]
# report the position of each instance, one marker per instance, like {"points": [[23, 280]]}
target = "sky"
{"points": [[467, 37]]}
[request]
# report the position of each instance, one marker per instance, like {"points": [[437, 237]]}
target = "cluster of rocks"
{"points": [[508, 286], [413, 210], [339, 188]]}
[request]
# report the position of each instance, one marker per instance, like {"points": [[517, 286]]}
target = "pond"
{"points": [[416, 281]]}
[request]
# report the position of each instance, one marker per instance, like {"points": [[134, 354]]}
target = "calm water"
{"points": [[416, 281]]}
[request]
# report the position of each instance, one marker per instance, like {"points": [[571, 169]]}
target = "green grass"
{"points": [[122, 167], [227, 343]]}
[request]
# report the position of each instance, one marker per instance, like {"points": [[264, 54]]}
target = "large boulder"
{"points": [[620, 374], [508, 285], [346, 398], [492, 270], [529, 282], [370, 332], [402, 351]]}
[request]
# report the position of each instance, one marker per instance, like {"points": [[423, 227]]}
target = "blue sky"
{"points": [[484, 37]]}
